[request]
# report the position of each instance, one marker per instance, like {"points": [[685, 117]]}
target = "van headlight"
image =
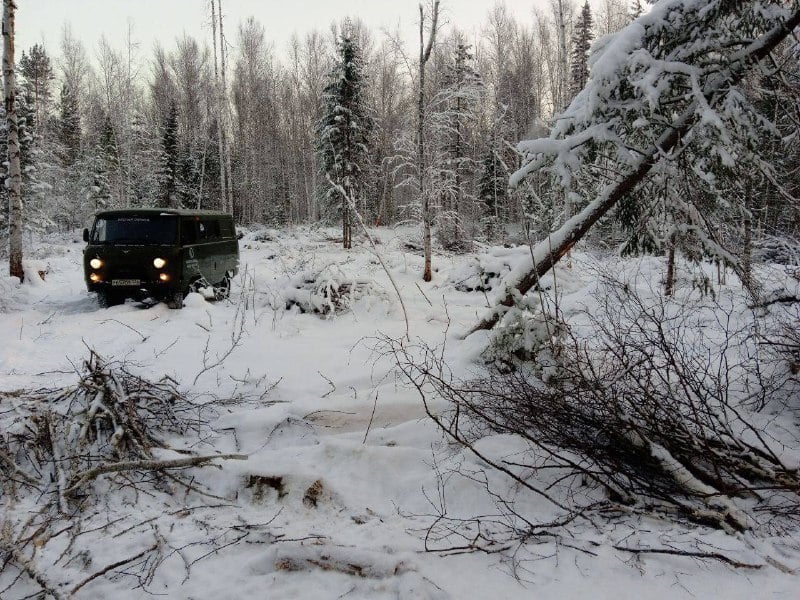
{"points": [[95, 263], [159, 263]]}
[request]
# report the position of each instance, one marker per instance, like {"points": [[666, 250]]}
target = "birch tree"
{"points": [[224, 114], [224, 175], [425, 55], [14, 179]]}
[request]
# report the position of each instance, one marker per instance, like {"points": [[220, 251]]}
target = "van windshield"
{"points": [[136, 230]]}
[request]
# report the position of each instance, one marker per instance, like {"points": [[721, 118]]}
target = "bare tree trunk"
{"points": [[14, 172], [424, 56], [563, 63], [346, 242], [747, 250], [669, 278], [220, 139], [224, 112], [548, 252]]}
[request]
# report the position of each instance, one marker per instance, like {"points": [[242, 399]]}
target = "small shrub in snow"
{"points": [[328, 291]]}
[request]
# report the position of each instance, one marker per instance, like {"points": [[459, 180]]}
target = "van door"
{"points": [[189, 251], [208, 238]]}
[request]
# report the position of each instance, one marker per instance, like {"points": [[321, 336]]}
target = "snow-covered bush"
{"points": [[779, 250], [486, 271], [328, 291]]}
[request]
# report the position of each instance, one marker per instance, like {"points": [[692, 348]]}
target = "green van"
{"points": [[160, 253]]}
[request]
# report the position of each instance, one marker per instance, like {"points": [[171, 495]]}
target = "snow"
{"points": [[345, 471]]}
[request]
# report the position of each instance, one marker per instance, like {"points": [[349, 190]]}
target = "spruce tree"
{"points": [[343, 134], [68, 126], [168, 171], [581, 44], [454, 118], [492, 188]]}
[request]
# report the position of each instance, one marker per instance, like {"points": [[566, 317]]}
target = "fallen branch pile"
{"points": [[72, 459], [642, 413]]}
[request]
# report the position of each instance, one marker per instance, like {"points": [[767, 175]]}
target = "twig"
{"points": [[5, 458], [330, 383], [374, 247], [31, 570], [113, 566], [148, 465], [690, 554], [423, 294], [372, 416], [136, 331]]}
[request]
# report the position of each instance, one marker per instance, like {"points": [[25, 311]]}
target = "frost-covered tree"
{"points": [[259, 138], [170, 159], [425, 49], [668, 86], [453, 115], [345, 129], [562, 19], [68, 125], [392, 102], [492, 188]]}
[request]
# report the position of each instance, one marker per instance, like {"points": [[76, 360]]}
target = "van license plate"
{"points": [[125, 282]]}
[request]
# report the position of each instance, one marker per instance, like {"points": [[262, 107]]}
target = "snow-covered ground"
{"points": [[345, 473]]}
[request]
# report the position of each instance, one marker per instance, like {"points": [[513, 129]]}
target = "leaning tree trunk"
{"points": [[548, 252], [14, 172]]}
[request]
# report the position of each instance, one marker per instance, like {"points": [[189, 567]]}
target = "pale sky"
{"points": [[164, 20]]}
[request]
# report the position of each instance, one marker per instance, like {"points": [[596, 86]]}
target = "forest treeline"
{"points": [[244, 126]]}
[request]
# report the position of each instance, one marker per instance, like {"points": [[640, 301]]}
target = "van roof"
{"points": [[181, 212]]}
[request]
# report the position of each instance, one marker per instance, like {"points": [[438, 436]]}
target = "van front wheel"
{"points": [[223, 289], [174, 300], [107, 298]]}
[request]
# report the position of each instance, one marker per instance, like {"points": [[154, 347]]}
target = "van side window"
{"points": [[188, 232], [226, 229], [209, 230]]}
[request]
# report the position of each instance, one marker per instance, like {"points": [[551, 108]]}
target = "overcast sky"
{"points": [[164, 20]]}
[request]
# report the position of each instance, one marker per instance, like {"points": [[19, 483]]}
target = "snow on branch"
{"points": [[664, 87]]}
